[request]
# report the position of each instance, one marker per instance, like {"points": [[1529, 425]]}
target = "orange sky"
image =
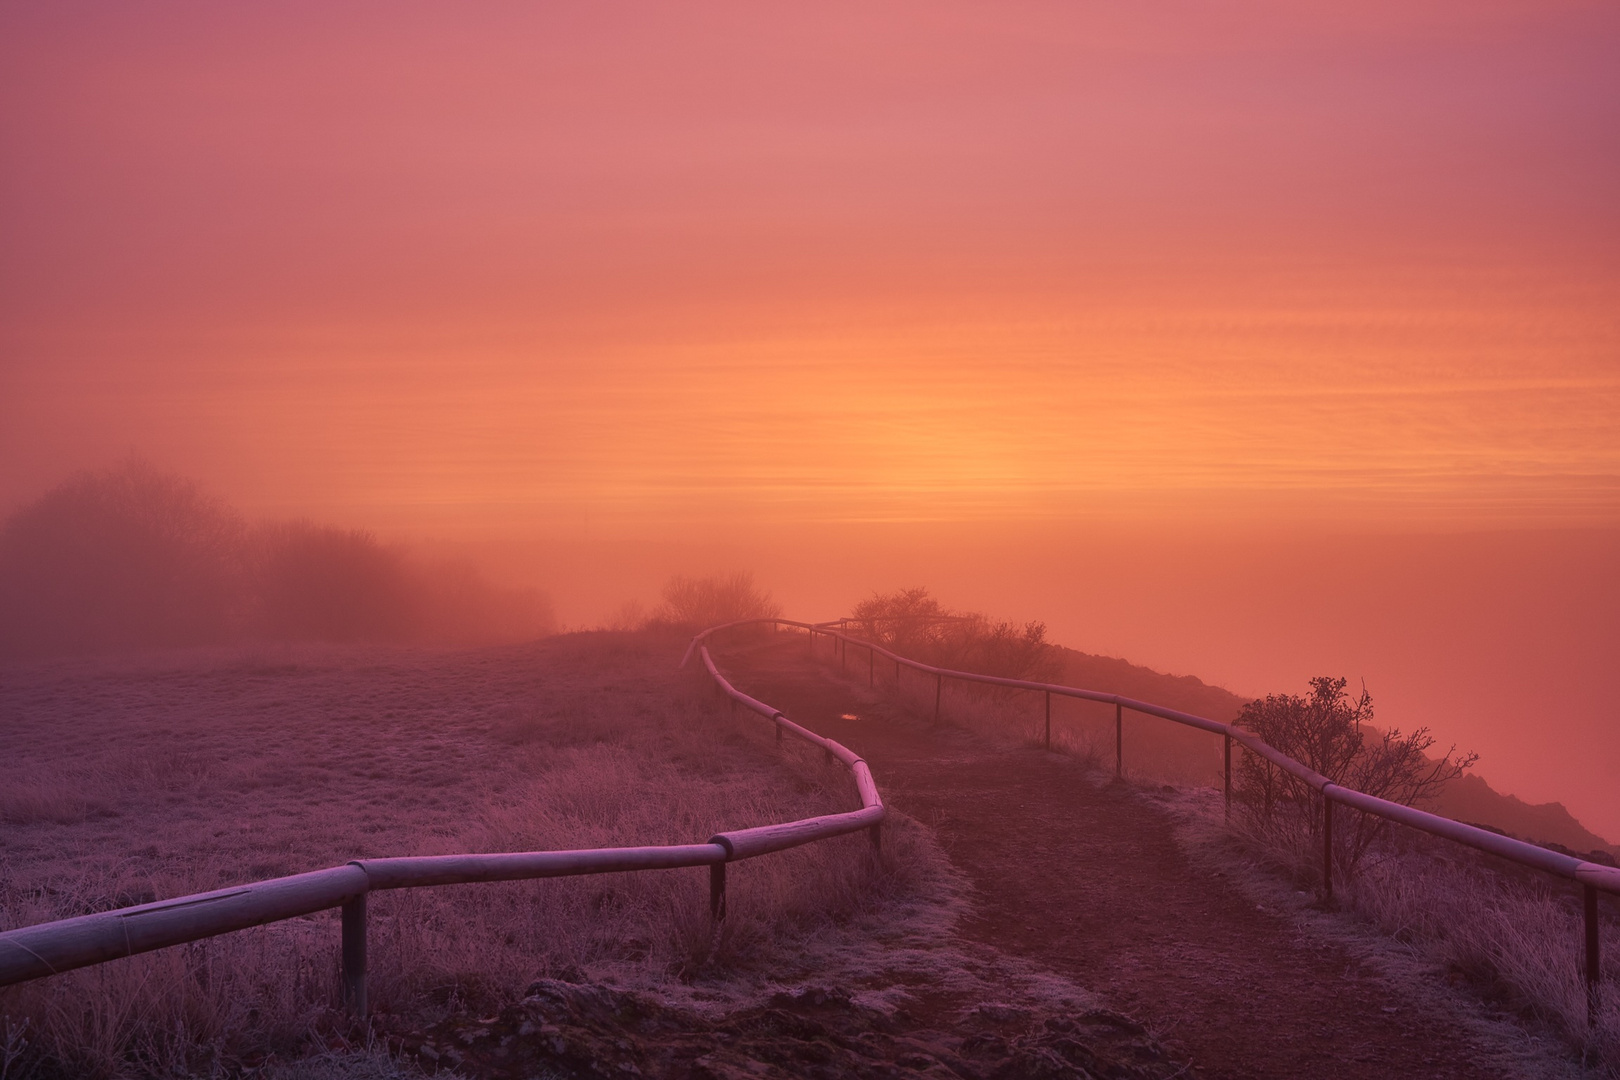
{"points": [[660, 272]]}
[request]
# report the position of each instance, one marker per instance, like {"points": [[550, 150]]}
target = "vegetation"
{"points": [[915, 624], [109, 559], [577, 741], [1332, 735], [1511, 933], [133, 557], [694, 603]]}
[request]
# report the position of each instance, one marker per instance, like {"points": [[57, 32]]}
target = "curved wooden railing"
{"points": [[1592, 877], [51, 948], [33, 952]]}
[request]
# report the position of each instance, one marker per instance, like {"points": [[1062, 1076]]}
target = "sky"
{"points": [[1189, 328]]}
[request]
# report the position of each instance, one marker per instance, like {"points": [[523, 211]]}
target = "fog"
{"points": [[1502, 642], [1268, 342], [130, 558]]}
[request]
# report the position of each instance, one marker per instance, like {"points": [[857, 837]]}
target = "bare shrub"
{"points": [[914, 624], [698, 602], [628, 616], [1332, 735], [318, 583]]}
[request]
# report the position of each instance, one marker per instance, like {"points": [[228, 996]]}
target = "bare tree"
{"points": [[1332, 734], [126, 557]]}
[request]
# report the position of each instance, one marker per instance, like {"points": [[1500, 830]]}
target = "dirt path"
{"points": [[1091, 882]]}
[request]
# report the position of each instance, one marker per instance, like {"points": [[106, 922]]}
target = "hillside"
{"points": [[1469, 799]]}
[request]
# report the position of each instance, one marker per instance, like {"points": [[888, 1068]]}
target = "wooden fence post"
{"points": [[1119, 741], [717, 892], [354, 956], [1589, 903], [1327, 848], [1227, 774]]}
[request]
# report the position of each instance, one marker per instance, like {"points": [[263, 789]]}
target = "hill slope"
{"points": [[1469, 799]]}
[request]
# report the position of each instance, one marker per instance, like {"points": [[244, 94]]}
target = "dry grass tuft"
{"points": [[1515, 936]]}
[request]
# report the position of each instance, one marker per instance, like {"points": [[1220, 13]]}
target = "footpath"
{"points": [[1089, 880]]}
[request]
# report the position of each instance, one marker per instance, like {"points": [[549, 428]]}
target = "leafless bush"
{"points": [[1332, 735], [318, 583], [628, 616], [697, 602], [915, 624]]}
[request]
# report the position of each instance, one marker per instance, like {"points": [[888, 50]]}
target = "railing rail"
{"points": [[51, 948], [1592, 877], [33, 952]]}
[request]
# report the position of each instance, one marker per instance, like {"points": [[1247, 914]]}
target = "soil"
{"points": [[1089, 880], [567, 1029]]}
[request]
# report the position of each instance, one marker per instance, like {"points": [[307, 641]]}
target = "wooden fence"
{"points": [[51, 948], [33, 952], [1591, 877]]}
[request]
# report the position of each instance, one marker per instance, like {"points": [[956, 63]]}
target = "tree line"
{"points": [[133, 557]]}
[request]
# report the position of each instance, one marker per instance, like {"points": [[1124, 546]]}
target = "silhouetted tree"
{"points": [[315, 582], [134, 557], [1332, 734], [458, 605], [125, 557]]}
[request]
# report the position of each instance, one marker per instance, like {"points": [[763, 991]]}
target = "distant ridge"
{"points": [[1470, 799]]}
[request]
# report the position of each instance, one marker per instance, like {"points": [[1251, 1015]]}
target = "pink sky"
{"points": [[661, 273]]}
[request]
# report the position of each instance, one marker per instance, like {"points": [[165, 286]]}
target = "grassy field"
{"points": [[126, 781]]}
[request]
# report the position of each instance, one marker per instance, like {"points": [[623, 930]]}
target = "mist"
{"points": [[387, 394], [1499, 641], [131, 558]]}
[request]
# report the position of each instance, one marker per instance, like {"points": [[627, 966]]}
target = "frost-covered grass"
{"points": [[1514, 935], [132, 780]]}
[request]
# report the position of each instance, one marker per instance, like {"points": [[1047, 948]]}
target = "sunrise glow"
{"points": [[390, 392]]}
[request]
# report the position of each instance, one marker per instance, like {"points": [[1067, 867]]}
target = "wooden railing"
{"points": [[1591, 877], [45, 949], [33, 952]]}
